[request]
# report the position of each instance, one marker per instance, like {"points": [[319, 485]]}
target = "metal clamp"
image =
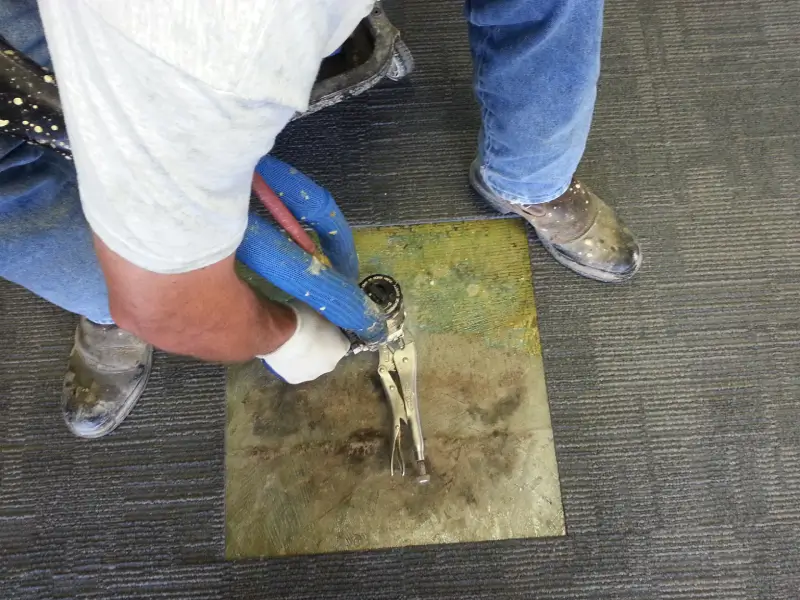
{"points": [[397, 370]]}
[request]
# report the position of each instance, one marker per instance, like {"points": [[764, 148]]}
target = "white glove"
{"points": [[315, 348]]}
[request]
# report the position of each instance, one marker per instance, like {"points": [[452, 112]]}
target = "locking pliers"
{"points": [[397, 370]]}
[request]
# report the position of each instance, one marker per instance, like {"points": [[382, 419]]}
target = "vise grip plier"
{"points": [[397, 371]]}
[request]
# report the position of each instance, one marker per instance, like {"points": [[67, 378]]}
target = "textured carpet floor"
{"points": [[674, 399]]}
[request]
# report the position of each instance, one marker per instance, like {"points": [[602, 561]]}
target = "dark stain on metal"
{"points": [[501, 411], [364, 443]]}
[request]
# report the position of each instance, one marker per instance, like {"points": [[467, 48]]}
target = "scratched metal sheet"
{"points": [[307, 466]]}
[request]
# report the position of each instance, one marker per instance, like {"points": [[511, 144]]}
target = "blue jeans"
{"points": [[536, 69], [45, 241]]}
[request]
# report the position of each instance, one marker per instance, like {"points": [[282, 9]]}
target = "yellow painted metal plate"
{"points": [[308, 466]]}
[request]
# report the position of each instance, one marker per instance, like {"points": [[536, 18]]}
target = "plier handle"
{"points": [[397, 370]]}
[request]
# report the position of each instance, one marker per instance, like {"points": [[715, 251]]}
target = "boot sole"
{"points": [[588, 272]]}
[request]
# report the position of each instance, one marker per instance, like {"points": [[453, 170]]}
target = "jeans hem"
{"points": [[104, 322], [514, 198]]}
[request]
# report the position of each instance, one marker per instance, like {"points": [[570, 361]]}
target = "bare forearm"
{"points": [[209, 313], [235, 329]]}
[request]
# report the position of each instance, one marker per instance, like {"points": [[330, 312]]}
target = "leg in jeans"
{"points": [[45, 241], [46, 246], [536, 67]]}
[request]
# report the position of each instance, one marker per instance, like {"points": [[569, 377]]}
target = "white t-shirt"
{"points": [[169, 105]]}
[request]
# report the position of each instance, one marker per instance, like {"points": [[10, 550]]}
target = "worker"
{"points": [[169, 106]]}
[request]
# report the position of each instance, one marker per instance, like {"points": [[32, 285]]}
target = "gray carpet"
{"points": [[674, 399]]}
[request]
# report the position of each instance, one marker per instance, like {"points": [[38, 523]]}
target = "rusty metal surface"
{"points": [[308, 466]]}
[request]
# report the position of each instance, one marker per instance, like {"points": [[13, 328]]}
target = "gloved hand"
{"points": [[316, 347]]}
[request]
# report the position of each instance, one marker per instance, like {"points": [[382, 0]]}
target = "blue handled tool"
{"points": [[333, 290]]}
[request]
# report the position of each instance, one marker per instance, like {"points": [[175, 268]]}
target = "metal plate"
{"points": [[308, 466]]}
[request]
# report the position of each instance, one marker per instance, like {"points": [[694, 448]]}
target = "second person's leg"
{"points": [[536, 68]]}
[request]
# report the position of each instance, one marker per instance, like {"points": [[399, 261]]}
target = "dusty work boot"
{"points": [[580, 230], [107, 373]]}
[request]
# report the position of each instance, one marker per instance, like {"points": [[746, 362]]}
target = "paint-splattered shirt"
{"points": [[170, 103]]}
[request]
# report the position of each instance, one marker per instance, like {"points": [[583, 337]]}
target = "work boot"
{"points": [[107, 373], [580, 230]]}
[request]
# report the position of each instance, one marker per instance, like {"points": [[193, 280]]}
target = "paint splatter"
{"points": [[3, 122], [18, 101], [38, 129], [53, 127], [315, 268], [49, 78]]}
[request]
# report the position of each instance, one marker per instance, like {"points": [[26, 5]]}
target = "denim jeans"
{"points": [[536, 68], [45, 241], [536, 65]]}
